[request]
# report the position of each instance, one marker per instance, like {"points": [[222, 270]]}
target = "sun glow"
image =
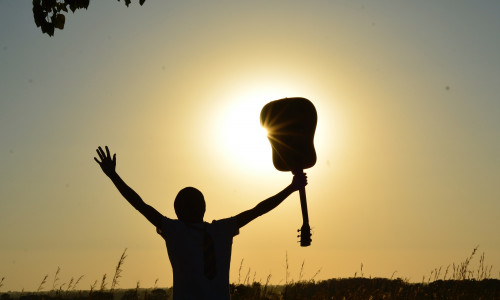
{"points": [[240, 137]]}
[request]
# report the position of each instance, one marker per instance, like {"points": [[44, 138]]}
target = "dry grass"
{"points": [[462, 271], [118, 270], [456, 281]]}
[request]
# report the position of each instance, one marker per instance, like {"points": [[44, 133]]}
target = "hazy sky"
{"points": [[408, 137]]}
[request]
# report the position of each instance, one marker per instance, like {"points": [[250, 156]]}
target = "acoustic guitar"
{"points": [[291, 124]]}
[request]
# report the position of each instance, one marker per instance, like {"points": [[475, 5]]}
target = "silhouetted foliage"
{"points": [[157, 294], [101, 295], [382, 288], [334, 289], [49, 14]]}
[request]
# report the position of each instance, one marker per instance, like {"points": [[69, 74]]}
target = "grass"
{"points": [[118, 270], [456, 281]]}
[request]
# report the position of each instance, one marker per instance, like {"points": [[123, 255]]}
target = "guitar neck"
{"points": [[303, 205], [305, 230]]}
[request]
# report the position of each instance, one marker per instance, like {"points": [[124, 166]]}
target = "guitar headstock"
{"points": [[305, 235]]}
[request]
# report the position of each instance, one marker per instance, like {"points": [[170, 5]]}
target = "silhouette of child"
{"points": [[200, 252]]}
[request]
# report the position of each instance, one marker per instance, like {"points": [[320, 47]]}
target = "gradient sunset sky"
{"points": [[408, 136]]}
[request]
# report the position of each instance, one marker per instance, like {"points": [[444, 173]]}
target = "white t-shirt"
{"points": [[185, 250]]}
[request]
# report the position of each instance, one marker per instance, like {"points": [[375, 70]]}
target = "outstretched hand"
{"points": [[107, 163], [299, 181]]}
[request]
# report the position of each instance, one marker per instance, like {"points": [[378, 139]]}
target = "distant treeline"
{"points": [[348, 289]]}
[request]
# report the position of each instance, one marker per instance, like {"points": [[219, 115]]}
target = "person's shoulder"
{"points": [[165, 224], [227, 224], [225, 220]]}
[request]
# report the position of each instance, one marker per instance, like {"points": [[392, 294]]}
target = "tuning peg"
{"points": [[298, 230]]}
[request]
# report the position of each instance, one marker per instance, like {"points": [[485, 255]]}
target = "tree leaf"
{"points": [[47, 13], [59, 21], [83, 3], [72, 6], [48, 28], [38, 13], [62, 6]]}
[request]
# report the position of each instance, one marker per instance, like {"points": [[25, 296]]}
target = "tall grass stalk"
{"points": [[463, 272], [118, 270], [360, 273], [393, 273], [103, 283], [44, 280], [446, 272], [315, 274], [72, 283], [287, 274], [92, 287], [239, 271], [247, 277], [287, 269], [301, 272], [56, 278], [264, 292]]}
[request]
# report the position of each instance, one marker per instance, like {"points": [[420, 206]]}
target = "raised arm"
{"points": [[108, 166], [267, 205]]}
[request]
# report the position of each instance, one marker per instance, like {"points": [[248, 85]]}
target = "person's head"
{"points": [[189, 205]]}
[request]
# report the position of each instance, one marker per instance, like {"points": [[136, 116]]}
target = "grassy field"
{"points": [[457, 281], [349, 288]]}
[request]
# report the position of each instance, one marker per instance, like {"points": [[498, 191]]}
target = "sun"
{"points": [[241, 140]]}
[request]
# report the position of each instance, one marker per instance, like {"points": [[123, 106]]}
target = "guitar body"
{"points": [[291, 124]]}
